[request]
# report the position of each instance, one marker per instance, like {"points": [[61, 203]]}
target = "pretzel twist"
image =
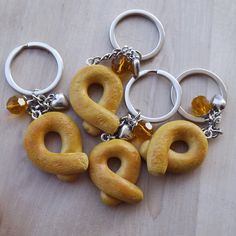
{"points": [[97, 116], [65, 165], [116, 186], [161, 158]]}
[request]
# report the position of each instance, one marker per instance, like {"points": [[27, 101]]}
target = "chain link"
{"points": [[130, 54], [125, 129], [213, 119], [39, 104]]}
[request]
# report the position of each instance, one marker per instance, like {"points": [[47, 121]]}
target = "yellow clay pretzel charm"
{"points": [[97, 116], [67, 164], [119, 186], [160, 158]]}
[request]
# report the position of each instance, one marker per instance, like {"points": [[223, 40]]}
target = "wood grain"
{"points": [[198, 34]]}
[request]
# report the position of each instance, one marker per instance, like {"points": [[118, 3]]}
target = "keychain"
{"points": [[46, 118], [100, 116], [135, 125], [126, 59], [160, 158], [120, 186]]}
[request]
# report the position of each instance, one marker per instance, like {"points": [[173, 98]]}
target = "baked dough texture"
{"points": [[161, 158], [119, 186], [97, 116], [67, 164]]}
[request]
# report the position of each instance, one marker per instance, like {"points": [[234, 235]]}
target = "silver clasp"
{"points": [[214, 118], [125, 129], [40, 104]]}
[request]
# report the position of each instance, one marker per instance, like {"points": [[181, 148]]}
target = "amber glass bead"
{"points": [[201, 106], [121, 65], [143, 131], [17, 105]]}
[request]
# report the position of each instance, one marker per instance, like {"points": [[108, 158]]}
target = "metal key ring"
{"points": [[147, 15], [13, 54], [174, 83], [194, 71]]}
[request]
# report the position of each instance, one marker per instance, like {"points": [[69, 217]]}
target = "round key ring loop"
{"points": [[147, 15], [195, 71], [175, 85], [30, 45]]}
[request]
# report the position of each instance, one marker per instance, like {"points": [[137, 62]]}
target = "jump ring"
{"points": [[147, 15], [175, 84], [29, 45]]}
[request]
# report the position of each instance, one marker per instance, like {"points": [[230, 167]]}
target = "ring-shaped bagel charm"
{"points": [[116, 186], [67, 164], [161, 158], [97, 116], [175, 85]]}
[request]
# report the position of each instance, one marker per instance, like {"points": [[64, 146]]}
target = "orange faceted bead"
{"points": [[143, 131], [201, 106], [121, 65], [17, 105]]}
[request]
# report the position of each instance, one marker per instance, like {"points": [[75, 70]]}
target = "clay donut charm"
{"points": [[120, 186], [65, 165], [97, 116], [160, 158]]}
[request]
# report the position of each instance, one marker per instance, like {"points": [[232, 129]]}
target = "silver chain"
{"points": [[126, 51], [39, 104], [125, 129], [213, 118], [128, 122]]}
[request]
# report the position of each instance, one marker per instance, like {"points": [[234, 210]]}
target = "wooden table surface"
{"points": [[198, 34]]}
